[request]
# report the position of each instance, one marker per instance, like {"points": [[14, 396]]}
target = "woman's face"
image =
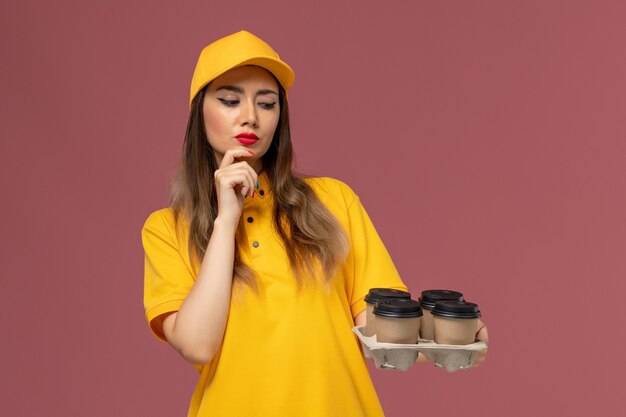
{"points": [[241, 110]]}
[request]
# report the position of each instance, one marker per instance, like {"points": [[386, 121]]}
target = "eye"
{"points": [[267, 106], [229, 103]]}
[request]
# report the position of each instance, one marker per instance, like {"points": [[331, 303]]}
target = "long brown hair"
{"points": [[310, 234]]}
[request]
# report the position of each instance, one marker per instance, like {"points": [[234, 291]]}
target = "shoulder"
{"points": [[160, 221], [160, 217], [161, 230], [331, 190]]}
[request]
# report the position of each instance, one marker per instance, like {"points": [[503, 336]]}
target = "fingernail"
{"points": [[251, 153]]}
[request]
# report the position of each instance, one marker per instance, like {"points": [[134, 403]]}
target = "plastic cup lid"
{"points": [[399, 307], [456, 309], [430, 297], [377, 294]]}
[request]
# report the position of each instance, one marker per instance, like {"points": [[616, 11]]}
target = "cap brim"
{"points": [[283, 72]]}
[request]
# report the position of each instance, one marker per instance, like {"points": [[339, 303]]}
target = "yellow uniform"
{"points": [[284, 352]]}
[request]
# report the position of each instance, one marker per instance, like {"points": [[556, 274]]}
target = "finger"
{"points": [[238, 181], [483, 336], [482, 333], [232, 154], [254, 179], [479, 359], [248, 154], [251, 174]]}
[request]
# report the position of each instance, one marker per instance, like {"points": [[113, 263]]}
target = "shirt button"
{"points": [[255, 244], [250, 219], [262, 192]]}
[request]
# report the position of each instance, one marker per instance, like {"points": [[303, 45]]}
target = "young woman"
{"points": [[254, 274]]}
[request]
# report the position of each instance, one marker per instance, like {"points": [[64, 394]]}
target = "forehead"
{"points": [[249, 76]]}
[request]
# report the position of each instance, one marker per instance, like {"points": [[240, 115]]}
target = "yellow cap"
{"points": [[241, 48]]}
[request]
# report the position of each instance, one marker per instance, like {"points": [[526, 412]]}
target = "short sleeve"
{"points": [[373, 266], [168, 277]]}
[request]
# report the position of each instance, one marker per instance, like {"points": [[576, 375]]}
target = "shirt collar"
{"points": [[264, 182], [261, 194]]}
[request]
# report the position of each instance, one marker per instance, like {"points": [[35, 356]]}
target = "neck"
{"points": [[257, 165]]}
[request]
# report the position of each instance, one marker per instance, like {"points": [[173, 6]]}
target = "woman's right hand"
{"points": [[234, 179]]}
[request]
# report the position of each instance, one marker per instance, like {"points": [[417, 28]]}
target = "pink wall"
{"points": [[485, 138]]}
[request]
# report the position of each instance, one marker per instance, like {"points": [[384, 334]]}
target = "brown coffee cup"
{"points": [[397, 321], [455, 322], [374, 296], [427, 301]]}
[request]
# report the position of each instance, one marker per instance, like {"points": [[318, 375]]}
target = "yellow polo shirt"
{"points": [[284, 352]]}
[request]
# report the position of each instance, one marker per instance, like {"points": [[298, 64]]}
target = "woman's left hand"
{"points": [[481, 335]]}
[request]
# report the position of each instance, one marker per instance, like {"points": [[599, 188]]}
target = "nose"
{"points": [[249, 115]]}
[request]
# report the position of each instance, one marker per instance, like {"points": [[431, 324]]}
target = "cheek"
{"points": [[216, 124], [213, 122], [273, 123]]}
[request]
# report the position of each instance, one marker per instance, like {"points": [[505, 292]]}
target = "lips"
{"points": [[247, 138]]}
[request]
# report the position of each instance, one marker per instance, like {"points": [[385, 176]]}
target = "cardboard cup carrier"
{"points": [[401, 357], [454, 347]]}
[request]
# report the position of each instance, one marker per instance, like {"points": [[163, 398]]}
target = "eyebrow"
{"points": [[239, 90]]}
